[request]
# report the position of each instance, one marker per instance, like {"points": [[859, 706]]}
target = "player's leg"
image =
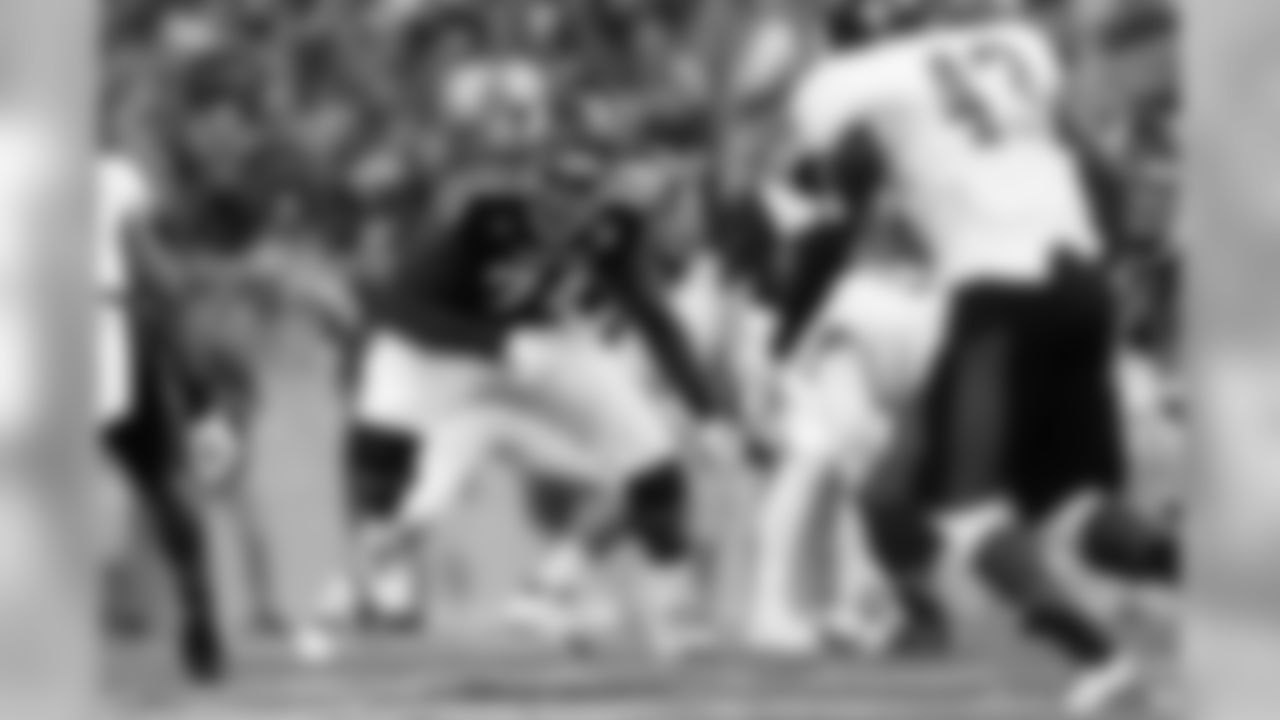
{"points": [[566, 598], [127, 558], [380, 466], [406, 395], [975, 422], [899, 505], [740, 356], [860, 613], [564, 591], [387, 561], [637, 434], [907, 545], [892, 322], [1062, 439], [810, 448], [124, 572], [1120, 541], [658, 514], [383, 444], [1122, 561], [1094, 526], [1003, 549], [149, 444], [624, 433], [450, 442]]}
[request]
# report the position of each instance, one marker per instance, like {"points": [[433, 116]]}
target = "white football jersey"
{"points": [[966, 119], [124, 197], [888, 321]]}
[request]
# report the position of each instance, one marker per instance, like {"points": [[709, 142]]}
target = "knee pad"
{"points": [[380, 466], [657, 511], [1010, 565], [1118, 541]]}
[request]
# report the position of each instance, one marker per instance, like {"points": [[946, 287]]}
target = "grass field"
{"points": [[410, 681], [294, 482]]}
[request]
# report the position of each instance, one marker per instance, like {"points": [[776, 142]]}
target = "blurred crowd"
{"points": [[326, 125]]}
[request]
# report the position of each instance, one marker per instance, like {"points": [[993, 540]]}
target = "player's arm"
{"points": [[145, 249], [854, 174], [820, 259], [618, 263], [1100, 167], [832, 175], [1102, 172], [830, 104]]}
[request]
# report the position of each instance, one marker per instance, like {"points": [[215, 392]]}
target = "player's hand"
{"points": [[531, 353]]}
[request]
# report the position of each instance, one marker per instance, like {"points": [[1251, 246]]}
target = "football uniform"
{"points": [[843, 392], [142, 433], [1018, 417], [447, 359], [964, 123], [438, 334], [967, 122], [437, 337], [862, 361], [490, 377]]}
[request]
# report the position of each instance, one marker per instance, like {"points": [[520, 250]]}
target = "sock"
{"points": [[379, 465], [1118, 541], [1011, 566], [907, 546], [657, 511]]}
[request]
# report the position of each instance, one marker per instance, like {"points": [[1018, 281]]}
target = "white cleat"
{"points": [[783, 638], [393, 592], [1102, 689], [535, 615], [559, 621], [676, 640], [867, 634], [315, 646]]}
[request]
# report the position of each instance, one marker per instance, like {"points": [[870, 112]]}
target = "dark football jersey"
{"points": [[455, 291], [746, 243], [617, 252]]}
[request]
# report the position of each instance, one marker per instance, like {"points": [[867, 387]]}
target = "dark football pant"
{"points": [[1020, 409], [149, 445]]}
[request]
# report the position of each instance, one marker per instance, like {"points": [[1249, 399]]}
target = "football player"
{"points": [[1019, 417], [473, 304], [143, 431]]}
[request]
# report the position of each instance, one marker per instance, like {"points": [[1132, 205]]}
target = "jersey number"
{"points": [[963, 79]]}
